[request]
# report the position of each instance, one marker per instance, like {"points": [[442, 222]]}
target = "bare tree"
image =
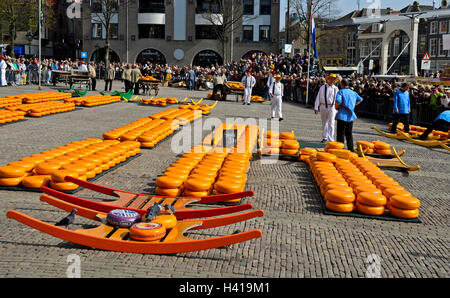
{"points": [[224, 17], [23, 15], [104, 12], [323, 11]]}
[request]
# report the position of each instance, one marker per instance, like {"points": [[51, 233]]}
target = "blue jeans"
{"points": [[191, 85]]}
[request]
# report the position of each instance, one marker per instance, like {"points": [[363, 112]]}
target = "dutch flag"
{"points": [[313, 32]]}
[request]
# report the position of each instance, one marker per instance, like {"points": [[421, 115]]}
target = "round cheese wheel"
{"points": [[403, 213], [287, 136], [379, 145], [404, 202], [384, 152], [369, 210], [227, 187], [12, 171], [36, 181], [63, 186], [335, 145], [170, 192], [166, 220], [58, 176], [341, 208], [169, 182], [339, 196], [371, 199], [290, 144], [289, 151], [47, 168], [122, 218], [197, 184], [147, 231], [81, 170], [196, 194], [389, 192], [308, 151], [365, 144], [11, 181], [366, 188], [28, 166], [323, 156]]}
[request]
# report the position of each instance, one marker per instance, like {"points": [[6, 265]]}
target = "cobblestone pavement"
{"points": [[298, 239]]}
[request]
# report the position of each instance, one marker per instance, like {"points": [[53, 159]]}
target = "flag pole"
{"points": [[309, 54]]}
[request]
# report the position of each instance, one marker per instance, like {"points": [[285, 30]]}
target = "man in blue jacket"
{"points": [[441, 123], [346, 101], [401, 109]]}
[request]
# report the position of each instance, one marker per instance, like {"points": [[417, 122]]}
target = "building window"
{"points": [[114, 31], [433, 47], [374, 44], [264, 33], [364, 49], [443, 27], [422, 44], [151, 31], [247, 33], [208, 6], [249, 7], [396, 46], [151, 6], [206, 31], [97, 30], [405, 41], [441, 51], [265, 7], [351, 42], [433, 27]]}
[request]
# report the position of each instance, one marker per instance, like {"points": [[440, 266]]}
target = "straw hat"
{"points": [[278, 76], [332, 77]]}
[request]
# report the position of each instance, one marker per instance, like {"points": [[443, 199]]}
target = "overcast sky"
{"points": [[346, 6]]}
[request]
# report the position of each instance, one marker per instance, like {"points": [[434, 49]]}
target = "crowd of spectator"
{"points": [[426, 101]]}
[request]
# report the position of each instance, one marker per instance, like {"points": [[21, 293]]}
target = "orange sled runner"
{"points": [[114, 238], [141, 202]]}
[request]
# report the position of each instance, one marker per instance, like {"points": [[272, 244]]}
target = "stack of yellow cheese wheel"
{"points": [[368, 147], [96, 100], [7, 116], [415, 131], [382, 148], [337, 148], [8, 102], [271, 142], [116, 133], [82, 159], [48, 108], [154, 135], [11, 175], [160, 101], [307, 153], [404, 204], [40, 97]]}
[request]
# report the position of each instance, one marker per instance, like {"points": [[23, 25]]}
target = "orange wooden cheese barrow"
{"points": [[112, 238]]}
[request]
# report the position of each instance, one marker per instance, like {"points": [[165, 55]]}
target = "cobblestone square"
{"points": [[298, 239]]}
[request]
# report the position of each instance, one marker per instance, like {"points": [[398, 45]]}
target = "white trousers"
{"points": [[3, 77], [328, 121], [276, 106], [247, 95]]}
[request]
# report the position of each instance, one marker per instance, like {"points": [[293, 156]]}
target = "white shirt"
{"points": [[248, 81], [2, 64], [277, 89], [82, 67], [328, 99]]}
